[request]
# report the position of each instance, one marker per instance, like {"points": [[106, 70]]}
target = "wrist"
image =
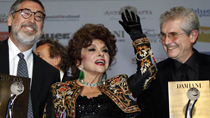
{"points": [[137, 36]]}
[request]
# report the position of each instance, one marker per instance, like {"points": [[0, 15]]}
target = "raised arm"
{"points": [[146, 65]]}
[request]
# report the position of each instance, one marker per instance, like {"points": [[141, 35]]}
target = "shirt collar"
{"points": [[14, 50], [61, 75], [192, 62]]}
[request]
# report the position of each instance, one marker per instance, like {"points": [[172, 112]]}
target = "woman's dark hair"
{"points": [[83, 38]]}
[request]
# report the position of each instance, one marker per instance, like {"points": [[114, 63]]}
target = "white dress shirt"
{"points": [[13, 59], [61, 75]]}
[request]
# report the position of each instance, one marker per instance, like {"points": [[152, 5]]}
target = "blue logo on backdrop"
{"points": [[202, 12]]}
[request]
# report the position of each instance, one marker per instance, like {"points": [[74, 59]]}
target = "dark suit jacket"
{"points": [[155, 103], [44, 75]]}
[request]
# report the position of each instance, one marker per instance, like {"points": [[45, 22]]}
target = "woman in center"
{"points": [[90, 94]]}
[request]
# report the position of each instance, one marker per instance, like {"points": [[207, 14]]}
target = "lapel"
{"points": [[4, 57], [204, 72], [204, 67], [165, 75], [38, 75]]}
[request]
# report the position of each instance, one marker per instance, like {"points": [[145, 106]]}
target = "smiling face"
{"points": [[180, 48], [17, 88], [193, 93], [25, 31], [95, 58]]}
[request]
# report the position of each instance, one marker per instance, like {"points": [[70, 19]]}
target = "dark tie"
{"points": [[22, 71]]}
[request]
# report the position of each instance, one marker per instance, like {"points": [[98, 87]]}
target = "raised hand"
{"points": [[132, 25]]}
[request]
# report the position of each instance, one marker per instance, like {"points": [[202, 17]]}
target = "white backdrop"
{"points": [[65, 17]]}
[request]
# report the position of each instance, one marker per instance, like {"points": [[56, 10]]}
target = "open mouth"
{"points": [[100, 62], [29, 28], [170, 48]]}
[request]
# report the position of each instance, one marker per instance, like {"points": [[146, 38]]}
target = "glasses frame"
{"points": [[31, 12], [169, 35]]}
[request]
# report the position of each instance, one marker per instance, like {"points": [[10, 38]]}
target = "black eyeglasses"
{"points": [[26, 13]]}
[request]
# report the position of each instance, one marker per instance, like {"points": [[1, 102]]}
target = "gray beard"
{"points": [[28, 40], [25, 38]]}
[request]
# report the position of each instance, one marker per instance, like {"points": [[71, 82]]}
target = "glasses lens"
{"points": [[162, 36], [172, 35], [39, 16], [26, 13]]}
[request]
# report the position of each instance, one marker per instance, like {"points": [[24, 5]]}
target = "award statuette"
{"points": [[16, 89], [14, 95], [193, 94], [189, 99]]}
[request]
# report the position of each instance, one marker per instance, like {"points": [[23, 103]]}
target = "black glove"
{"points": [[132, 25]]}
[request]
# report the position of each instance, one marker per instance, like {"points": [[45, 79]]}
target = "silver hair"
{"points": [[189, 17], [17, 3]]}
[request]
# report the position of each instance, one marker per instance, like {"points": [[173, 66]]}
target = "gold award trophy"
{"points": [[189, 99], [14, 95]]}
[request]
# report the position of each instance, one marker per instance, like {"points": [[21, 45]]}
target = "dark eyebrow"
{"points": [[172, 32], [39, 12], [35, 11], [162, 32], [169, 33]]}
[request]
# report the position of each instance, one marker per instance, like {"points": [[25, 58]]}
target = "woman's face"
{"points": [[95, 58]]}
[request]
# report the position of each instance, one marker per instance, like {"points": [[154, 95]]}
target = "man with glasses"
{"points": [[179, 30], [25, 21]]}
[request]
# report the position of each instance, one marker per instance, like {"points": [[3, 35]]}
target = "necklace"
{"points": [[88, 84]]}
